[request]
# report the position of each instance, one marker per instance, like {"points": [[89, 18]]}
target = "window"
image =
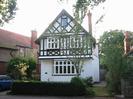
{"points": [[76, 42], [52, 43], [63, 67], [64, 21]]}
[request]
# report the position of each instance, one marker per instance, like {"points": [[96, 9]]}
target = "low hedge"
{"points": [[48, 88]]}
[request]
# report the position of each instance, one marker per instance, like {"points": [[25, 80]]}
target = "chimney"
{"points": [[126, 43], [89, 22], [33, 38]]}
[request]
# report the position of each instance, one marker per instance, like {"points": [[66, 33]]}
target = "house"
{"points": [[13, 44], [56, 50], [128, 44]]}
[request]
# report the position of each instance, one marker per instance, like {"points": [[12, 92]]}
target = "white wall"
{"points": [[90, 69], [47, 70]]}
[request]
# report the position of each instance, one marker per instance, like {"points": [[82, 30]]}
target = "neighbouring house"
{"points": [[13, 44], [127, 81], [55, 53], [128, 44]]}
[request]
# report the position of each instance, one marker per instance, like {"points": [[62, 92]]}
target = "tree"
{"points": [[7, 10], [112, 51], [79, 48], [81, 7]]}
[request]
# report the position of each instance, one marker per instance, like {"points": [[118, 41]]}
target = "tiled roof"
{"points": [[12, 39]]}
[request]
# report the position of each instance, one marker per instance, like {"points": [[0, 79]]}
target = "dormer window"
{"points": [[64, 21]]}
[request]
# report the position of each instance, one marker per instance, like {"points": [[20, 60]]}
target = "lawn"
{"points": [[100, 91]]}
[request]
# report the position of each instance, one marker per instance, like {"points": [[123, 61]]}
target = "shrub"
{"points": [[48, 88], [21, 68], [78, 81], [85, 83], [15, 66], [88, 81]]}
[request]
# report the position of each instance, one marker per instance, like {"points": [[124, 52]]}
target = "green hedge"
{"points": [[48, 88]]}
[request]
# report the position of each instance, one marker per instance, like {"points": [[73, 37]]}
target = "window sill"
{"points": [[64, 74]]}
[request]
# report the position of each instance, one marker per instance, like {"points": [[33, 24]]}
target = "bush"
{"points": [[48, 88], [21, 68], [88, 81], [78, 81], [85, 83]]}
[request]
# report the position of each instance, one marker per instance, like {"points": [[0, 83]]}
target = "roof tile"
{"points": [[11, 38]]}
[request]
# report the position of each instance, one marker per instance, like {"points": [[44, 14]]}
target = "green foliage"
{"points": [[32, 66], [112, 50], [88, 81], [77, 81], [14, 67], [21, 68], [85, 83], [129, 70], [48, 88], [81, 7], [7, 10]]}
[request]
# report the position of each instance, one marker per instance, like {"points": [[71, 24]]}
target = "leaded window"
{"points": [[64, 21], [52, 43], [63, 67]]}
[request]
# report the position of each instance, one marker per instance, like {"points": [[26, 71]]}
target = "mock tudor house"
{"points": [[55, 53], [13, 44]]}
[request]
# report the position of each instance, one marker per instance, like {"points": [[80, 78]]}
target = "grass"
{"points": [[100, 91]]}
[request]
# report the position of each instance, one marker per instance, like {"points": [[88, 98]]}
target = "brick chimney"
{"points": [[126, 43], [33, 38], [89, 22]]}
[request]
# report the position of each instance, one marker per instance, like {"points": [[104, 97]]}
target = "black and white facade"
{"points": [[58, 44]]}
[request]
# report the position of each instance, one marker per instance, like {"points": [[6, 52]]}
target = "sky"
{"points": [[38, 14]]}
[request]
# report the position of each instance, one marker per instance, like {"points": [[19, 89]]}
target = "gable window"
{"points": [[63, 67], [64, 21], [52, 43]]}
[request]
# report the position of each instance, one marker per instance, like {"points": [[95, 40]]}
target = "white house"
{"points": [[55, 52]]}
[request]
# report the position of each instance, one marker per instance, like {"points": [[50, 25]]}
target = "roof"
{"points": [[11, 40], [63, 12]]}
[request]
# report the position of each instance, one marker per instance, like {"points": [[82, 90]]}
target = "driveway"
{"points": [[4, 95]]}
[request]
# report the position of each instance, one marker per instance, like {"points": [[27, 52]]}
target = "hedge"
{"points": [[48, 88]]}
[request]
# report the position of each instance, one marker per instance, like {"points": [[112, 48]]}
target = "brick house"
{"points": [[128, 43], [13, 44]]}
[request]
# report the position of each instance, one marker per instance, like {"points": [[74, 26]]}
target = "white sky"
{"points": [[38, 14]]}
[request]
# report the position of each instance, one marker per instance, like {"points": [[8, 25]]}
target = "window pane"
{"points": [[55, 45], [60, 69], [60, 63], [64, 69], [64, 21], [57, 63], [56, 69], [52, 45], [68, 69], [72, 69]]}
